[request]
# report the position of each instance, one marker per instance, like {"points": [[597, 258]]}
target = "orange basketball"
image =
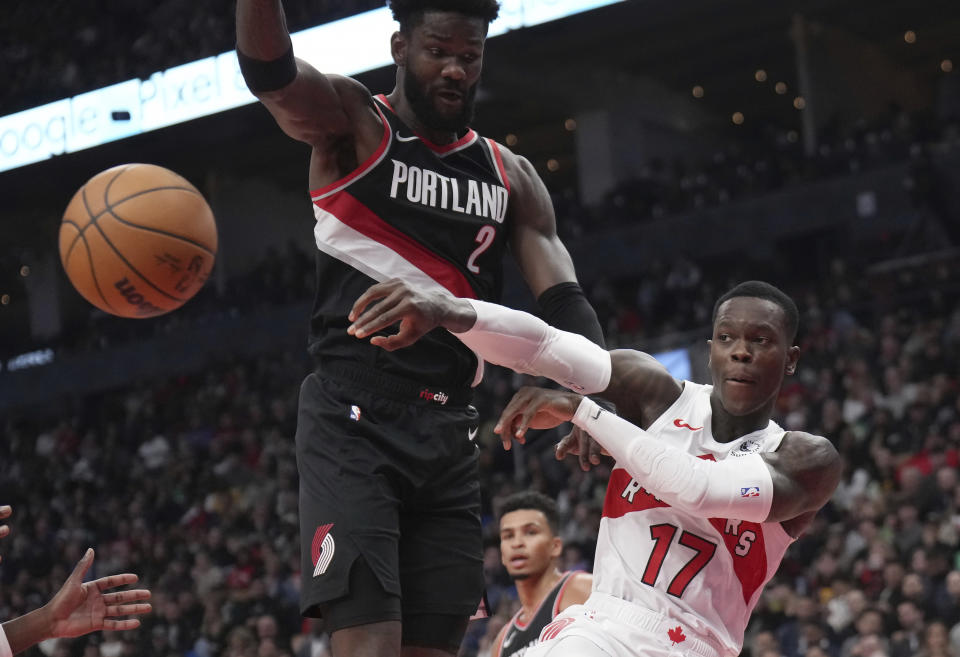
{"points": [[138, 240]]}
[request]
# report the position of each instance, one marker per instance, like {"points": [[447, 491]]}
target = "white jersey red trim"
{"points": [[705, 574]]}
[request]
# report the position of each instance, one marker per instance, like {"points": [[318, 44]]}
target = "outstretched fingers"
{"points": [[129, 610], [121, 597], [514, 421], [371, 294], [111, 625], [113, 581]]}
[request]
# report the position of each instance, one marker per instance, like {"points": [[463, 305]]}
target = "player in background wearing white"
{"points": [[530, 550], [707, 492], [78, 608]]}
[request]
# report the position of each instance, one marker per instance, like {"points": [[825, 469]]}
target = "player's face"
{"points": [[442, 59], [527, 545], [750, 354]]}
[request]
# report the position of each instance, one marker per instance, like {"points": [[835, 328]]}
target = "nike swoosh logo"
{"points": [[507, 640], [411, 138], [472, 433], [599, 411]]}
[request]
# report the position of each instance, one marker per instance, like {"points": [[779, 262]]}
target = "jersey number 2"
{"points": [[484, 238], [663, 539]]}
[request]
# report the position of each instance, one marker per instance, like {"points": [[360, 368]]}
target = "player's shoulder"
{"points": [[641, 383], [810, 455], [519, 169], [350, 89], [810, 443], [576, 590]]}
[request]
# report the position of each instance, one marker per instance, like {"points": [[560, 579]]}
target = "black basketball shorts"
{"points": [[388, 474]]}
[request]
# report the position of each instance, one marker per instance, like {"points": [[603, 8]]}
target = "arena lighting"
{"points": [[571, 124], [737, 118], [799, 103], [30, 359], [697, 91], [511, 140], [207, 86], [553, 165], [5, 299], [910, 36], [946, 66], [780, 88], [25, 271], [760, 75]]}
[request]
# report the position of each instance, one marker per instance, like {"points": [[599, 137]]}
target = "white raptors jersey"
{"points": [[706, 574]]}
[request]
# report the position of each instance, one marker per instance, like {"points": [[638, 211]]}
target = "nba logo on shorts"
{"points": [[750, 491], [355, 413], [322, 548]]}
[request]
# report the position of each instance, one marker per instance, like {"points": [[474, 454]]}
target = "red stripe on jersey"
{"points": [[750, 565], [563, 588], [367, 164], [383, 99], [503, 171], [356, 215], [623, 498]]}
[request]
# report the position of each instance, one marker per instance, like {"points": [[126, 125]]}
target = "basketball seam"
{"points": [[93, 219], [111, 210], [134, 269], [103, 234], [93, 275]]}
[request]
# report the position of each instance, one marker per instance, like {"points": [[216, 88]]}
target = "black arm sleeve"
{"points": [[268, 76], [565, 307]]}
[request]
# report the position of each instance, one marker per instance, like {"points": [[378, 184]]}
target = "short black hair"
{"points": [[409, 13], [529, 499], [763, 290]]}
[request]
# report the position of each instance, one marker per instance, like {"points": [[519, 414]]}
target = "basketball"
{"points": [[138, 240]]}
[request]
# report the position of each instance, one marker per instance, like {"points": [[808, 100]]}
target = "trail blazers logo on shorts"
{"points": [[322, 549]]}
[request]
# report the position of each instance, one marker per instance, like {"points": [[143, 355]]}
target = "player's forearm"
{"points": [[526, 344], [27, 630], [565, 306], [262, 29], [739, 488]]}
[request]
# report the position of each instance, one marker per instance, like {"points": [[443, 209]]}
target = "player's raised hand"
{"points": [[82, 607], [417, 312], [535, 408]]}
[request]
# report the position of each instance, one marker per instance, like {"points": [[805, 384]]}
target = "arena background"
{"points": [[678, 165]]}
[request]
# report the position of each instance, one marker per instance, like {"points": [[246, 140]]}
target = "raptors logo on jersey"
{"points": [[705, 574]]}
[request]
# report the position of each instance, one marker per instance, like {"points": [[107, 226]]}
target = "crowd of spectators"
{"points": [[191, 482], [774, 159]]}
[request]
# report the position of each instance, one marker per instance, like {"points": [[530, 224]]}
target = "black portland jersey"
{"points": [[521, 636], [431, 215]]}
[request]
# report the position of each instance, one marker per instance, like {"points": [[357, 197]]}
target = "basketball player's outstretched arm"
{"points": [[79, 608], [790, 484], [548, 269], [309, 106]]}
